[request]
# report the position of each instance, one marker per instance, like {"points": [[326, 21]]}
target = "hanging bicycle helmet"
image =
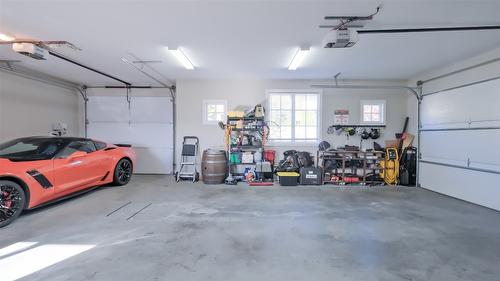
{"points": [[375, 134], [323, 146], [350, 131], [365, 135]]}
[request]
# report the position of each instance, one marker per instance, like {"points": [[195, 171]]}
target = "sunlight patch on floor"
{"points": [[16, 247], [27, 262]]}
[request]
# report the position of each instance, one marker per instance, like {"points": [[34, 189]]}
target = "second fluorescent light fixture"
{"points": [[182, 58], [298, 58]]}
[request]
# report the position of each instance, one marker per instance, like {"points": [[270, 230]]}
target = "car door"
{"points": [[77, 167], [105, 157]]}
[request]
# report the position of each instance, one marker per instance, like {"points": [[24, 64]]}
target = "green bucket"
{"points": [[235, 158]]}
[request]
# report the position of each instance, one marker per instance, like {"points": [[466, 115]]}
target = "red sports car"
{"points": [[35, 171]]}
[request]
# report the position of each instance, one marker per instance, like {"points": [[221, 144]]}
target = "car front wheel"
{"points": [[12, 201], [123, 172]]}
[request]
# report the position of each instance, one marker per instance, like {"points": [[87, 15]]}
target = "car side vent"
{"points": [[40, 178], [109, 148], [105, 176], [123, 145]]}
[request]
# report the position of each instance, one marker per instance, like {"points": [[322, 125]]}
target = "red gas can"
{"points": [[269, 155]]}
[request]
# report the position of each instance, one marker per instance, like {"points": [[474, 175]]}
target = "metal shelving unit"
{"points": [[367, 163], [241, 126]]}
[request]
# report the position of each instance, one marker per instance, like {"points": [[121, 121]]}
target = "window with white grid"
{"points": [[373, 112], [294, 115], [214, 111]]}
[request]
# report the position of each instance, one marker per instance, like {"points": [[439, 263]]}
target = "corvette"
{"points": [[35, 171]]}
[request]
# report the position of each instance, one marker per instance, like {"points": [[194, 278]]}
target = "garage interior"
{"points": [[275, 140]]}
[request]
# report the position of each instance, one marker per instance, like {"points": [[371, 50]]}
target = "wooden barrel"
{"points": [[214, 166]]}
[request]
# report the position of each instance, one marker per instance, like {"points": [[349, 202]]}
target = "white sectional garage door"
{"points": [[146, 124], [460, 143]]}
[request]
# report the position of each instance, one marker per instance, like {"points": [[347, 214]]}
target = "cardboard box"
{"points": [[246, 158], [392, 143], [237, 114]]}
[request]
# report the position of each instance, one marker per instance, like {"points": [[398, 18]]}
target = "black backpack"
{"points": [[408, 167]]}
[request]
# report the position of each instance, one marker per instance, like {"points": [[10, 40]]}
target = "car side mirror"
{"points": [[77, 154]]}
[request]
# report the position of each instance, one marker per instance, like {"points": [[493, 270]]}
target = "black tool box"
{"points": [[311, 176]]}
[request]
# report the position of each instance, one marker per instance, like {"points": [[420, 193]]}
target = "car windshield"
{"points": [[31, 149]]}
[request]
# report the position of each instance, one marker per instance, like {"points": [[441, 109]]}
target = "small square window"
{"points": [[373, 112], [214, 111]]}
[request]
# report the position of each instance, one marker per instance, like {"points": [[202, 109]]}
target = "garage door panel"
{"points": [[481, 188], [473, 124], [151, 135], [122, 132], [476, 151], [455, 108], [160, 110], [147, 126], [457, 147], [140, 135], [107, 109], [153, 160]]}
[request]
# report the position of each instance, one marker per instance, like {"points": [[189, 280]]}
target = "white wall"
{"points": [[29, 107], [248, 93]]}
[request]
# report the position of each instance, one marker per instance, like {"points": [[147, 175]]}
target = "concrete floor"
{"points": [[197, 232]]}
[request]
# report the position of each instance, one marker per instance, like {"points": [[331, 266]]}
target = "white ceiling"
{"points": [[245, 39]]}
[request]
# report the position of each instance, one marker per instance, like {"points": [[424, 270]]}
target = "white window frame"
{"points": [[381, 103], [293, 141], [206, 103]]}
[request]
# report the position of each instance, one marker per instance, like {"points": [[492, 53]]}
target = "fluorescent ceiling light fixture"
{"points": [[5, 37], [298, 58], [182, 58]]}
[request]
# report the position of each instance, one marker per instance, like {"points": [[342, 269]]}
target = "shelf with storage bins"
{"points": [[231, 118], [356, 167], [246, 143]]}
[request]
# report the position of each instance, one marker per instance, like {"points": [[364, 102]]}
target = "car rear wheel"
{"points": [[123, 172], [12, 201]]}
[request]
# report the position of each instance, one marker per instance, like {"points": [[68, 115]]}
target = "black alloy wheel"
{"points": [[123, 172], [12, 201]]}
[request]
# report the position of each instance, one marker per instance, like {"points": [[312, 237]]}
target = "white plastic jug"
{"points": [[257, 156]]}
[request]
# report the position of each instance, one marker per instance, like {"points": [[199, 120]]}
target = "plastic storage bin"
{"points": [[288, 178]]}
